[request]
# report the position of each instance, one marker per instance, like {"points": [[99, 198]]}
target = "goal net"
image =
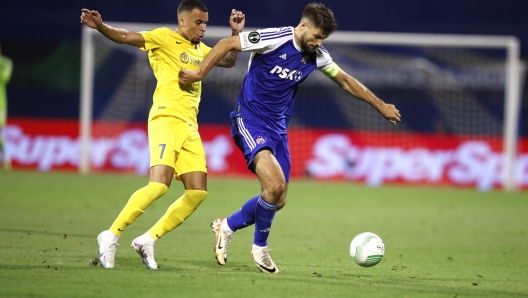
{"points": [[458, 96]]}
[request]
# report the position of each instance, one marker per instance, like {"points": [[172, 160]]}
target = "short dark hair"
{"points": [[321, 17], [189, 5]]}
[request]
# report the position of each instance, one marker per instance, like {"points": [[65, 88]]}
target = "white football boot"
{"points": [[222, 241], [145, 250], [263, 260], [107, 250]]}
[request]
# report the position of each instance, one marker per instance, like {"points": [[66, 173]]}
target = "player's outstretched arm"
{"points": [[217, 53], [93, 19], [237, 21], [356, 89]]}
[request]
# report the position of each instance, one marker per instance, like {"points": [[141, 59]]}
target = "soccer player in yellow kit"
{"points": [[6, 68], [176, 148]]}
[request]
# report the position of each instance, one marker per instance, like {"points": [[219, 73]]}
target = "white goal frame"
{"points": [[509, 43]]}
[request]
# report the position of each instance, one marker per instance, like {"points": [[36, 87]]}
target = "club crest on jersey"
{"points": [[254, 37], [184, 58], [260, 140]]}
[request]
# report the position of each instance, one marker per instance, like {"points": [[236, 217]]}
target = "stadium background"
{"points": [[43, 39]]}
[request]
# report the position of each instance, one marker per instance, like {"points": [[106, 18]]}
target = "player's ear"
{"points": [[304, 24]]}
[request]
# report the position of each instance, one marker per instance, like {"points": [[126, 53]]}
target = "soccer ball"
{"points": [[367, 249]]}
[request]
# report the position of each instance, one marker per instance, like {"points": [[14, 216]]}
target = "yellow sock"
{"points": [[178, 212], [138, 202]]}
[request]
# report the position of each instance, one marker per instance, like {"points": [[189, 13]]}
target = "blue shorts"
{"points": [[250, 139]]}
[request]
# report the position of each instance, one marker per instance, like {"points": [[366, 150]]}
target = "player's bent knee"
{"points": [[276, 191], [157, 189], [281, 205], [195, 197]]}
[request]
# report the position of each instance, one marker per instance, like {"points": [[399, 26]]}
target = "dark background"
{"points": [[43, 37]]}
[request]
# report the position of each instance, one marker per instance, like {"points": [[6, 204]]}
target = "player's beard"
{"points": [[193, 41], [304, 44]]}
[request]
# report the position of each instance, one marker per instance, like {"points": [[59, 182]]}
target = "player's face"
{"points": [[194, 25], [311, 39]]}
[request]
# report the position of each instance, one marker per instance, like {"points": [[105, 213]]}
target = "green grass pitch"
{"points": [[440, 242]]}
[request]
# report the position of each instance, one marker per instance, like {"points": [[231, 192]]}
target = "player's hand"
{"points": [[188, 76], [91, 18], [390, 113], [237, 21]]}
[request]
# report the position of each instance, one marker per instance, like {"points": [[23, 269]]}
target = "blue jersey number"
{"points": [[162, 150]]}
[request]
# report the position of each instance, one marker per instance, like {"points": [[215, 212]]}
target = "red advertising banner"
{"points": [[374, 158]]}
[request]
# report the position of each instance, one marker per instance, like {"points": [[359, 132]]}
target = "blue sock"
{"points": [[245, 216], [263, 219]]}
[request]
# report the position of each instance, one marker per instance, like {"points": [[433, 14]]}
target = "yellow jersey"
{"points": [[168, 52]]}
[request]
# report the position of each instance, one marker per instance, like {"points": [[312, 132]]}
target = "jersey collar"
{"points": [[182, 39], [297, 47]]}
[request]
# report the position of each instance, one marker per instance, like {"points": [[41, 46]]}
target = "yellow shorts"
{"points": [[176, 144]]}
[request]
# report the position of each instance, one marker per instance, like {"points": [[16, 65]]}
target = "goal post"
{"points": [[86, 92], [353, 50], [513, 82]]}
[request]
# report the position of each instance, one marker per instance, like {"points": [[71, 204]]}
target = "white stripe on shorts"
{"points": [[249, 140]]}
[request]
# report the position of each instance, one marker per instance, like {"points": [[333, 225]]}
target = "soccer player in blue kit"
{"points": [[281, 60]]}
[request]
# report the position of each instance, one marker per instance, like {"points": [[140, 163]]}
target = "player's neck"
{"points": [[180, 33], [297, 36]]}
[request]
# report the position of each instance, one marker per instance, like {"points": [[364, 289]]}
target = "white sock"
{"points": [[256, 247], [109, 236], [225, 228], [147, 238]]}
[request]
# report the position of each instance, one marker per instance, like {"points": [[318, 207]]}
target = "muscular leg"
{"points": [[160, 180], [162, 174], [271, 177], [246, 215], [274, 188], [194, 180], [195, 184]]}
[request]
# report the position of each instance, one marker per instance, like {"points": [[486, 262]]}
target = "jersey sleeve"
{"points": [[264, 40], [325, 64], [323, 58], [155, 38]]}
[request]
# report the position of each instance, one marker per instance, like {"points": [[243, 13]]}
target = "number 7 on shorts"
{"points": [[162, 150]]}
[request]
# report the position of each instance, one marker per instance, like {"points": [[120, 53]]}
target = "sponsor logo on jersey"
{"points": [[185, 58], [286, 73], [254, 37], [283, 56], [260, 140]]}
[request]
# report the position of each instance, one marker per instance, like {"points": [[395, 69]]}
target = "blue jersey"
{"points": [[276, 69]]}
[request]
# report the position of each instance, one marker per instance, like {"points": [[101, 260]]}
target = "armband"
{"points": [[331, 71]]}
